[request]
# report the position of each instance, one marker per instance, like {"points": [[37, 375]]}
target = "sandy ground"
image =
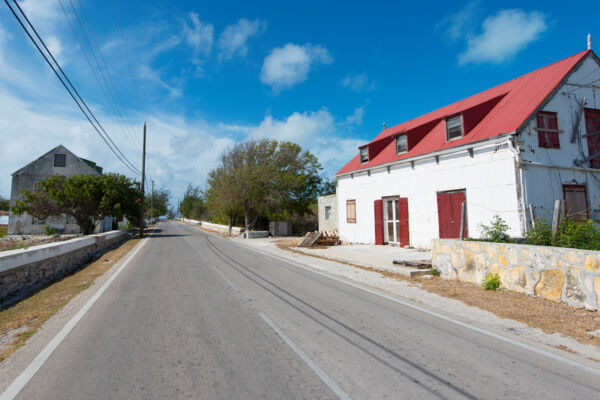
{"points": [[24, 241], [459, 298]]}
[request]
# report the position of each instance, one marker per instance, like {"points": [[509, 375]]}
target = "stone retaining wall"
{"points": [[25, 270], [554, 273]]}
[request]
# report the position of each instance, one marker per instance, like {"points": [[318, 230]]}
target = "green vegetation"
{"points": [[435, 271], [4, 204], [496, 231], [87, 198], [583, 235], [193, 205], [491, 281], [159, 200], [49, 231], [3, 230], [259, 181]]}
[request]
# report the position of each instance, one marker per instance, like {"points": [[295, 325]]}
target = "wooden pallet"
{"points": [[309, 239]]}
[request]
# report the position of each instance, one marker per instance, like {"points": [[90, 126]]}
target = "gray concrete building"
{"points": [[58, 161], [328, 213]]}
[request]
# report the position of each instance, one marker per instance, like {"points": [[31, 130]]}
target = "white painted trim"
{"points": [[479, 144]]}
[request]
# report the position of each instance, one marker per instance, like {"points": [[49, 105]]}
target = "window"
{"points": [[60, 160], [576, 205], [547, 128], [351, 211], [364, 155], [327, 212], [38, 221], [401, 144], [454, 128], [592, 128]]}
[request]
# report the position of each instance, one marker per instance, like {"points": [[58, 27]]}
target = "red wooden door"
{"points": [[449, 210], [403, 221], [378, 207], [592, 125]]}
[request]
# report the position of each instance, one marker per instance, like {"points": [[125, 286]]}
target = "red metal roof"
{"points": [[501, 109]]}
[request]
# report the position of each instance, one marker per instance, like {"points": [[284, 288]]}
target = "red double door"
{"points": [[449, 214], [391, 221]]}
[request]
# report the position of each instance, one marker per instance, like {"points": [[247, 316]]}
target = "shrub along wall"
{"points": [[554, 273]]}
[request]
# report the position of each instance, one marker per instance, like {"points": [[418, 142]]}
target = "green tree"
{"points": [[193, 204], [87, 198], [258, 178], [159, 200], [328, 186], [4, 204]]}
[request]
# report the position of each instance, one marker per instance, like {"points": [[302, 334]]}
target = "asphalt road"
{"points": [[196, 316]]}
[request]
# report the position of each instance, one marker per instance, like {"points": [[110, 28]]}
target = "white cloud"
{"points": [[358, 82], [55, 46], [461, 23], [503, 36], [199, 36], [290, 64], [356, 117], [232, 40]]}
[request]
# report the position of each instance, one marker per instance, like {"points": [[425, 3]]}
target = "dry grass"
{"points": [[21, 320], [542, 314]]}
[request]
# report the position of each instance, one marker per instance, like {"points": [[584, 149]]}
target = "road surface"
{"points": [[200, 317]]}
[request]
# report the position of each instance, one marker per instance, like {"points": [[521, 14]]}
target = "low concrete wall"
{"points": [[554, 273], [255, 234], [25, 270], [225, 228]]}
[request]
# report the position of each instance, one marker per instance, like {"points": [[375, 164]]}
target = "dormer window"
{"points": [[401, 144], [364, 155], [454, 127]]}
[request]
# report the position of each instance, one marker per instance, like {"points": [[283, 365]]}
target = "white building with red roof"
{"points": [[510, 151]]}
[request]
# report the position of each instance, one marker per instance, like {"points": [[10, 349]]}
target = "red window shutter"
{"points": [[592, 124], [378, 207]]}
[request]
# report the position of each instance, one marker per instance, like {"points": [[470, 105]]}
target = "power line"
{"points": [[115, 150], [135, 88], [87, 58], [127, 119], [91, 48]]}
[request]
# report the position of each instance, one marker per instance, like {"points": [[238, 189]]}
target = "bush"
{"points": [[128, 225], [578, 235], [50, 231], [491, 281], [435, 271], [540, 235], [496, 231]]}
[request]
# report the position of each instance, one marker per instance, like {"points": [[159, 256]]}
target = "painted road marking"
{"points": [[465, 325], [19, 383], [316, 369]]}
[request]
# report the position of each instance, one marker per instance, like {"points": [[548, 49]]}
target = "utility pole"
{"points": [[152, 204], [143, 179]]}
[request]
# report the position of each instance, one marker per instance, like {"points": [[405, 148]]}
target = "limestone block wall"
{"points": [[554, 273], [25, 270]]}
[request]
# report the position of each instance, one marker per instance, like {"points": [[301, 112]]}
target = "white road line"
{"points": [[224, 278], [317, 370], [19, 383], [523, 346]]}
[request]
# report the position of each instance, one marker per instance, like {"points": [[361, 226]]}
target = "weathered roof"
{"points": [[63, 149], [496, 111]]}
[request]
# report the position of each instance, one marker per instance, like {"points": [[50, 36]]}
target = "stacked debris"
{"points": [[326, 238]]}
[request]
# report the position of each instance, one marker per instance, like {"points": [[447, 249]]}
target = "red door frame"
{"points": [[449, 210], [378, 207]]}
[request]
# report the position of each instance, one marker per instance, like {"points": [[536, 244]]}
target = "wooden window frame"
{"points": [[396, 143], [348, 219], [462, 127], [546, 136], [587, 204]]}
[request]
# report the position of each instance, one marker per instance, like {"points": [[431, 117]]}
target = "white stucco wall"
{"points": [[546, 170], [488, 177]]}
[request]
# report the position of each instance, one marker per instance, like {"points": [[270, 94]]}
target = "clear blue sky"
{"points": [[207, 75]]}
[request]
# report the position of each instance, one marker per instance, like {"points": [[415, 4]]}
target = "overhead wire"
{"points": [[114, 96], [87, 58], [99, 129], [114, 86]]}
